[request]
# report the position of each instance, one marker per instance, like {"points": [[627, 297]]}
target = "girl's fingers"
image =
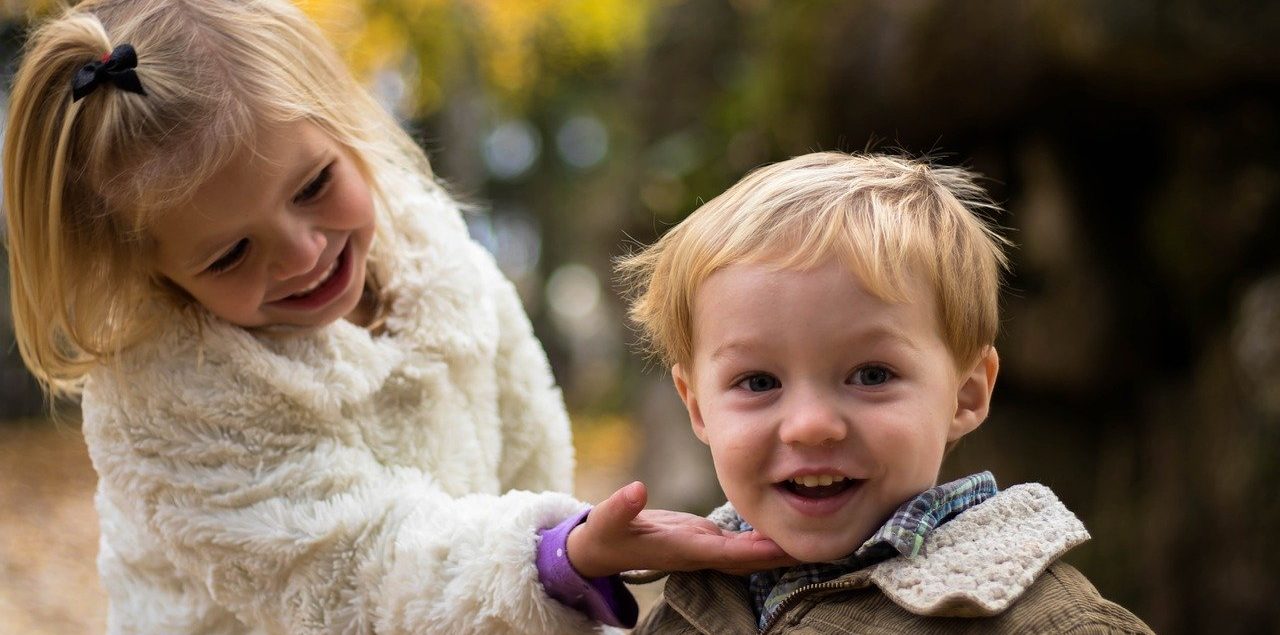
{"points": [[756, 554], [614, 514], [597, 547], [728, 551], [620, 535]]}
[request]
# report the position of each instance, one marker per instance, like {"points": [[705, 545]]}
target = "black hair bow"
{"points": [[115, 67]]}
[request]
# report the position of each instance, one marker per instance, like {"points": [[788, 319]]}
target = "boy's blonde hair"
{"points": [[883, 216], [83, 179]]}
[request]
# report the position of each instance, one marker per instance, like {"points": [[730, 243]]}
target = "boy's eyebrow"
{"points": [[729, 347], [873, 333], [884, 331]]}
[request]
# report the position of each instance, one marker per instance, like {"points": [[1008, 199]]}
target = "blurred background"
{"points": [[1135, 146]]}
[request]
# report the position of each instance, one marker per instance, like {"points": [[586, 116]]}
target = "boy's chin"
{"points": [[818, 548]]}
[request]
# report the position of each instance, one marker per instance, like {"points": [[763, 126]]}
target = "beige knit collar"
{"points": [[984, 559], [976, 565]]}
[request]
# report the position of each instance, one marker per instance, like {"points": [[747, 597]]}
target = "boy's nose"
{"points": [[813, 422]]}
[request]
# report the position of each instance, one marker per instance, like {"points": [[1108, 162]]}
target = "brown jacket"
{"points": [[992, 569]]}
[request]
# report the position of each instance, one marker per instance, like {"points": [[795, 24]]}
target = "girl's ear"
{"points": [[685, 389], [973, 399]]}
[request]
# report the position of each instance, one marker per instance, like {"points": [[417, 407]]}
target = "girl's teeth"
{"points": [[322, 280], [817, 481]]}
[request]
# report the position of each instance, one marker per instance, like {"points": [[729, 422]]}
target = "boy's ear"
{"points": [[973, 400], [685, 389]]}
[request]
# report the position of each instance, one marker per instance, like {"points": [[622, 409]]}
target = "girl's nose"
{"points": [[813, 421], [298, 251]]}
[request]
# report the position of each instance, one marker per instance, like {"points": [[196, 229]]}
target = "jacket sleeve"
{"points": [[538, 451], [661, 618], [299, 531]]}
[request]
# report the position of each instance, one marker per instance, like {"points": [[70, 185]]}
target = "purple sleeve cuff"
{"points": [[606, 600]]}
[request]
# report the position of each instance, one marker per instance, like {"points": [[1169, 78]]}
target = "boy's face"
{"points": [[825, 408]]}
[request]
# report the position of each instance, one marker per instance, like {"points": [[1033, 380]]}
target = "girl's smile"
{"points": [[278, 237], [328, 286]]}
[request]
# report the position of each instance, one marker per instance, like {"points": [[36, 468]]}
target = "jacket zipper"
{"points": [[787, 601]]}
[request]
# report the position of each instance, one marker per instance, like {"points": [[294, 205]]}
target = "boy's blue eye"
{"points": [[872, 376], [760, 383], [229, 259]]}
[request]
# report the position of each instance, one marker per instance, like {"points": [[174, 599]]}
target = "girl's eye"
{"points": [[760, 383], [871, 376], [315, 187], [229, 259]]}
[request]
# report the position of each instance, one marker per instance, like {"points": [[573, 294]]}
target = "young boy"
{"points": [[829, 322]]}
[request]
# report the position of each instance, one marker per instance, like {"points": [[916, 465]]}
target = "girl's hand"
{"points": [[621, 535]]}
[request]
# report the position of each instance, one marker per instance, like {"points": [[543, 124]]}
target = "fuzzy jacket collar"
{"points": [[430, 274], [977, 564]]}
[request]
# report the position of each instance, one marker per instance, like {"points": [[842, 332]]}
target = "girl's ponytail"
{"points": [[54, 228]]}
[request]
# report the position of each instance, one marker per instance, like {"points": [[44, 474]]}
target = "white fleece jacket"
{"points": [[339, 482]]}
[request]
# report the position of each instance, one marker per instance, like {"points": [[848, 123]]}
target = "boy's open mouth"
{"points": [[818, 486]]}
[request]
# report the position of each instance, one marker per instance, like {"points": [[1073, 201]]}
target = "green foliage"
{"points": [[519, 50]]}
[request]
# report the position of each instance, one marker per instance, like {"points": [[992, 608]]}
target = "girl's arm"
{"points": [[538, 454], [537, 450], [303, 530]]}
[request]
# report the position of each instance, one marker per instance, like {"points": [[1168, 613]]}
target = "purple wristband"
{"points": [[606, 600]]}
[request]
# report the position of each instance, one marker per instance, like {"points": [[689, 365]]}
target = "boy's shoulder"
{"points": [[996, 563]]}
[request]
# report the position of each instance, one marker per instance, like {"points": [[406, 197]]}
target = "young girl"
{"points": [[313, 403]]}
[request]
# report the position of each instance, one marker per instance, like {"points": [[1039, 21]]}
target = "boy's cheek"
{"points": [[739, 403]]}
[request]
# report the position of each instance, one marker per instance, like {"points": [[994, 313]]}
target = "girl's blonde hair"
{"points": [[885, 217], [83, 179]]}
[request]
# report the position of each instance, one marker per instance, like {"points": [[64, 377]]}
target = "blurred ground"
{"points": [[48, 533], [49, 530]]}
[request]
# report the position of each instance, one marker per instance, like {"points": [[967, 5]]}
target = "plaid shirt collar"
{"points": [[903, 535]]}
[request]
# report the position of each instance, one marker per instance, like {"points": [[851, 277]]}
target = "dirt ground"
{"points": [[48, 533], [49, 530]]}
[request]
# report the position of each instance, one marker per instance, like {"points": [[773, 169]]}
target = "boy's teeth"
{"points": [[817, 481]]}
